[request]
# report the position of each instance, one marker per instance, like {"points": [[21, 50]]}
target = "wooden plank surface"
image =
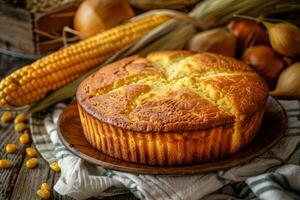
{"points": [[18, 27], [8, 177], [29, 180], [19, 182]]}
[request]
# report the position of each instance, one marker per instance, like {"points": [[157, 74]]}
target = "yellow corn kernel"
{"points": [[5, 164], [31, 152], [24, 138], [20, 118], [32, 163], [19, 127], [44, 194], [11, 148], [6, 117], [55, 167], [45, 186], [63, 64]]}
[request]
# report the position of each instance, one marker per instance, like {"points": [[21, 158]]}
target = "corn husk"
{"points": [[158, 4], [174, 34], [214, 13]]}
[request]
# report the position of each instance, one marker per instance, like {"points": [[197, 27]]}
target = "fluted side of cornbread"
{"points": [[168, 148], [173, 93]]}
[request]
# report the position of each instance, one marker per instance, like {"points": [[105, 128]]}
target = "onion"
{"points": [[217, 40], [284, 38], [94, 16], [265, 61], [288, 84], [248, 33]]}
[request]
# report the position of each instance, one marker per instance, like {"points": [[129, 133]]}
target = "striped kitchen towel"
{"points": [[283, 183], [82, 180]]}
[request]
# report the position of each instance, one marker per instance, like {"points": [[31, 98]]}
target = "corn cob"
{"points": [[32, 82]]}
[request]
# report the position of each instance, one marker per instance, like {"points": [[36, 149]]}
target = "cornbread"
{"points": [[172, 108]]}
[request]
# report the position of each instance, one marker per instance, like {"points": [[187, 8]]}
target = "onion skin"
{"points": [[94, 16], [265, 61], [284, 38], [248, 33], [217, 40], [288, 83]]}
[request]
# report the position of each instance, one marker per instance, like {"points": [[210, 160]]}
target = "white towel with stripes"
{"points": [[283, 183], [82, 180]]}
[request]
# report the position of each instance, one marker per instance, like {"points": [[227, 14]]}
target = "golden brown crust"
{"points": [[209, 60], [103, 80], [194, 112], [168, 149], [249, 97], [172, 91]]}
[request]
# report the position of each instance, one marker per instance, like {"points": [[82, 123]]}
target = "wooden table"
{"points": [[20, 182]]}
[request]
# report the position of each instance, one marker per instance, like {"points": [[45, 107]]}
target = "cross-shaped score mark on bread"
{"points": [[174, 74]]}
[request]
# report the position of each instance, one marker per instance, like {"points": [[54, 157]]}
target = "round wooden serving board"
{"points": [[273, 128]]}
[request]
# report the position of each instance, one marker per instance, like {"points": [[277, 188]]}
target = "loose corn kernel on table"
{"points": [[19, 182]]}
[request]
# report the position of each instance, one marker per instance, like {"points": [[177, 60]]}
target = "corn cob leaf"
{"points": [[215, 13], [149, 38], [170, 41]]}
